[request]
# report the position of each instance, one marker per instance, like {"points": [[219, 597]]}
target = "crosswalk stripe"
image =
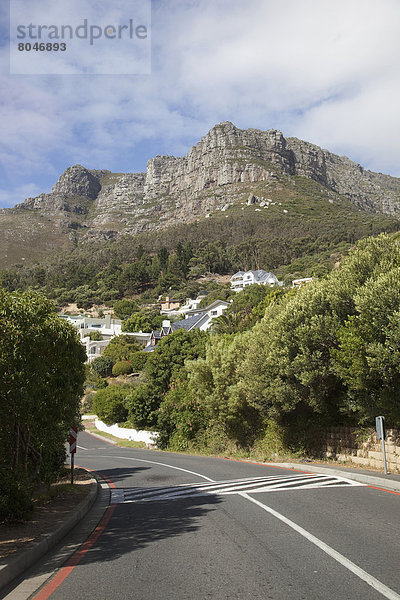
{"points": [[249, 485]]}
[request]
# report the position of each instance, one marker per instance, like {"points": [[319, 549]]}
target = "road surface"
{"points": [[184, 527]]}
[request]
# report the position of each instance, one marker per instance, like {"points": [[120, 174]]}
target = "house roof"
{"points": [[149, 348], [263, 276], [209, 307], [188, 324]]}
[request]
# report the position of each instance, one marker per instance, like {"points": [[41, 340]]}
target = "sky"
{"points": [[326, 71]]}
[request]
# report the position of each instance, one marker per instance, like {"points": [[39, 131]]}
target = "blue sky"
{"points": [[322, 70]]}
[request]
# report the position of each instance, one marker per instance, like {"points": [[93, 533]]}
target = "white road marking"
{"points": [[152, 462], [345, 562], [275, 483], [82, 448]]}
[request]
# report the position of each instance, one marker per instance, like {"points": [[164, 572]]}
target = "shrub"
{"points": [[95, 336], [102, 365], [179, 419], [122, 367], [109, 404], [142, 404], [138, 360]]}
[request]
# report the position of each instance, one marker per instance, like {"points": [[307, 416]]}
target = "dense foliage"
{"points": [[41, 383], [327, 354]]}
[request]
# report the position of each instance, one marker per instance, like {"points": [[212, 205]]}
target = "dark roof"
{"points": [[156, 334], [187, 324], [149, 349]]}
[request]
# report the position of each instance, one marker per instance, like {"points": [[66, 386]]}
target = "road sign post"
{"points": [[73, 434], [380, 430]]}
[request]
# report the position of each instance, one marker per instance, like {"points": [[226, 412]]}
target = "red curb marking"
{"points": [[76, 558], [252, 462], [110, 483], [383, 490]]}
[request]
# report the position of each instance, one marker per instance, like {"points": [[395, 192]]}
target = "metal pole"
{"points": [[72, 468], [384, 456]]}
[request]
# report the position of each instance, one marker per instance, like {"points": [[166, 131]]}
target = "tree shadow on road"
{"points": [[134, 526]]}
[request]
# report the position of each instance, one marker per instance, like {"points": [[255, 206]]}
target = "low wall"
{"points": [[135, 435], [363, 449]]}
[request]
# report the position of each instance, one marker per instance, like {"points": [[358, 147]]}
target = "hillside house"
{"points": [[169, 305], [196, 318], [106, 326], [242, 279], [298, 283]]}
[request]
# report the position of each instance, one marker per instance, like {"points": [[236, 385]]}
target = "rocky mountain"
{"points": [[228, 167]]}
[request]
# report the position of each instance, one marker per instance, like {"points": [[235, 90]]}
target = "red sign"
{"points": [[73, 434]]}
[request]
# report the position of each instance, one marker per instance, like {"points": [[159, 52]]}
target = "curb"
{"points": [[22, 561], [375, 481], [100, 437]]}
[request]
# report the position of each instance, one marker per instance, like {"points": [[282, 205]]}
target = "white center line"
{"points": [[345, 562]]}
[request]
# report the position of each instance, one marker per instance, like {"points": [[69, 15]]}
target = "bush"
{"points": [[15, 496], [122, 367], [138, 360], [102, 365], [121, 347], [124, 308], [95, 336], [87, 405], [179, 419], [109, 404], [143, 403]]}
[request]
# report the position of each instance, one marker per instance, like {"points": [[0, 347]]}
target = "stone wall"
{"points": [[362, 447]]}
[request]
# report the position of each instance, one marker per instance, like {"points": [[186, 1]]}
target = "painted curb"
{"points": [[376, 481], [19, 563]]}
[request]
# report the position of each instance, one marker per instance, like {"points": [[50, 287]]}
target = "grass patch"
{"points": [[123, 443]]}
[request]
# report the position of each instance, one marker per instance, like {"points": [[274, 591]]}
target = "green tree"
{"points": [[122, 367], [124, 308], [288, 372], [102, 366], [137, 322], [368, 357], [121, 347], [41, 382], [142, 404], [109, 404], [213, 386], [167, 360]]}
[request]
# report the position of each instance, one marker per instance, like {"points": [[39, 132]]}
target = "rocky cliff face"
{"points": [[220, 170]]}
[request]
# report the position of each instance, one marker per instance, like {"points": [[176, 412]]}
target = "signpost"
{"points": [[380, 430], [73, 434]]}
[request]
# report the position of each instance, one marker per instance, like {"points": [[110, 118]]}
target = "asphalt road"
{"points": [[185, 527]]}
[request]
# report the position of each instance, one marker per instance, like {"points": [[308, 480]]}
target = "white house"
{"points": [[196, 318], [94, 348], [108, 327], [298, 283], [242, 279]]}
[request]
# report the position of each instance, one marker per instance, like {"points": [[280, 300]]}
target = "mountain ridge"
{"points": [[225, 168]]}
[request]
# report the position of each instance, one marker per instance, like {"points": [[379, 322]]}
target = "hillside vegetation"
{"points": [[328, 354]]}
